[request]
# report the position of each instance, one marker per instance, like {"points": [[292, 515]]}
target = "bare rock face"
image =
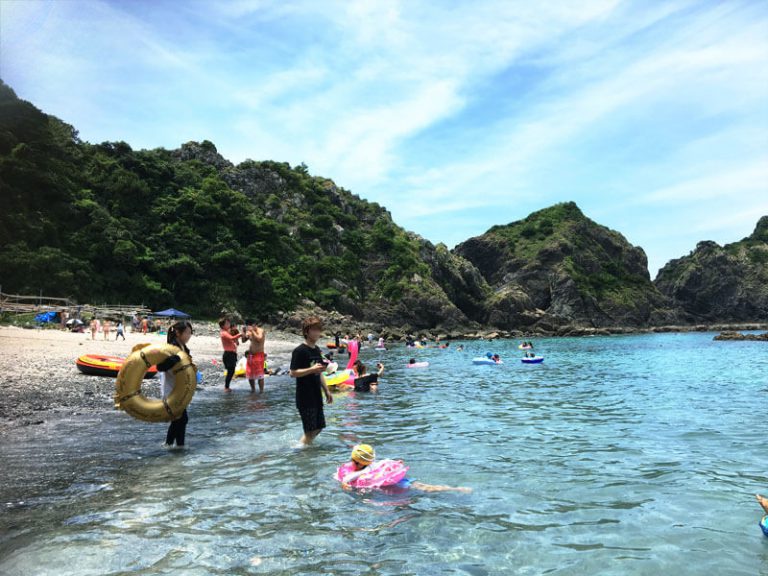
{"points": [[204, 152], [558, 268], [721, 283]]}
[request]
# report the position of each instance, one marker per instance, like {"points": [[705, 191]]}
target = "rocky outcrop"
{"points": [[204, 152], [728, 335], [721, 283], [558, 268], [387, 276], [461, 282]]}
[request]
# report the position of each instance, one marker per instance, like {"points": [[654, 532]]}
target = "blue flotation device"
{"points": [[764, 524], [488, 355]]}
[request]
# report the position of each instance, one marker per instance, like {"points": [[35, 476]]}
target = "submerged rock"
{"points": [[731, 335]]}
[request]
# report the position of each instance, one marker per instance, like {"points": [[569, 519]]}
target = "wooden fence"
{"points": [[22, 304]]}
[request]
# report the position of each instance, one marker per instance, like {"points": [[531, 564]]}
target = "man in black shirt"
{"points": [[307, 367]]}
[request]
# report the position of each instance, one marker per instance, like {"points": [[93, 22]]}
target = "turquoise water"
{"points": [[618, 455]]}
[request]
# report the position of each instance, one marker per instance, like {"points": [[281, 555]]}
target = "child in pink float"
{"points": [[364, 471]]}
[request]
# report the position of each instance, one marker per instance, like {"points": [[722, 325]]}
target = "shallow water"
{"points": [[618, 455]]}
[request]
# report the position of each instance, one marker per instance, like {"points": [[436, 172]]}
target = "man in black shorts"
{"points": [[307, 367]]}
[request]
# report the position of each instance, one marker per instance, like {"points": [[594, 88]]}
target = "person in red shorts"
{"points": [[255, 357]]}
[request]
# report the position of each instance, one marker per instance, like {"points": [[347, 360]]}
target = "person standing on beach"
{"points": [[254, 367], [178, 335], [105, 327], [144, 325], [307, 367], [119, 331], [229, 343], [94, 328]]}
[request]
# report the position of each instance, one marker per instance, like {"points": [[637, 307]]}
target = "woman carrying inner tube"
{"points": [[178, 335]]}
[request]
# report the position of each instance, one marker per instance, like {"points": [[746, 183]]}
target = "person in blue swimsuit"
{"points": [[763, 501]]}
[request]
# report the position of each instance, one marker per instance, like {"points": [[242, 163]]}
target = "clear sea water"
{"points": [[618, 455]]}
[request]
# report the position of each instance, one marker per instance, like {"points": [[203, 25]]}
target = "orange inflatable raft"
{"points": [[98, 365]]}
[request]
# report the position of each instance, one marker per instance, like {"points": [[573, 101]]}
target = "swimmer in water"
{"points": [[363, 456], [763, 501], [367, 382]]}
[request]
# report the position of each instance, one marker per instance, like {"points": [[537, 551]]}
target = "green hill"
{"points": [[189, 229], [105, 223], [558, 267]]}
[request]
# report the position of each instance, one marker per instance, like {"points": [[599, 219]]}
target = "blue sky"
{"points": [[652, 116]]}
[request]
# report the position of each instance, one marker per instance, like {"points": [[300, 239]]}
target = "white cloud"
{"points": [[404, 67], [701, 74], [618, 105], [734, 183]]}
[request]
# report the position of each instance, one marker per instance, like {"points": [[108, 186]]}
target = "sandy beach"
{"points": [[39, 380]]}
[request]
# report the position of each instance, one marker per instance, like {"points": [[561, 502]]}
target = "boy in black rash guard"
{"points": [[307, 367], [367, 382]]}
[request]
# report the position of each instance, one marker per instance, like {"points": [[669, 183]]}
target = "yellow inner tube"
{"points": [[128, 394], [338, 378]]}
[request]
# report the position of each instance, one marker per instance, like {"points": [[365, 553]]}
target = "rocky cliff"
{"points": [[557, 268], [394, 277], [721, 283]]}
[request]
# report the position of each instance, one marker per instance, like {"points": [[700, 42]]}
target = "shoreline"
{"points": [[40, 382], [569, 331]]}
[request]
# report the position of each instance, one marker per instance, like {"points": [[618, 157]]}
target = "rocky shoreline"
{"points": [[734, 335], [335, 321], [39, 380]]}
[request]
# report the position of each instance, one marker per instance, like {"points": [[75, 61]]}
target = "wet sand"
{"points": [[39, 380]]}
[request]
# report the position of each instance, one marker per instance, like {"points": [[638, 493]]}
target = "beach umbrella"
{"points": [[74, 321]]}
